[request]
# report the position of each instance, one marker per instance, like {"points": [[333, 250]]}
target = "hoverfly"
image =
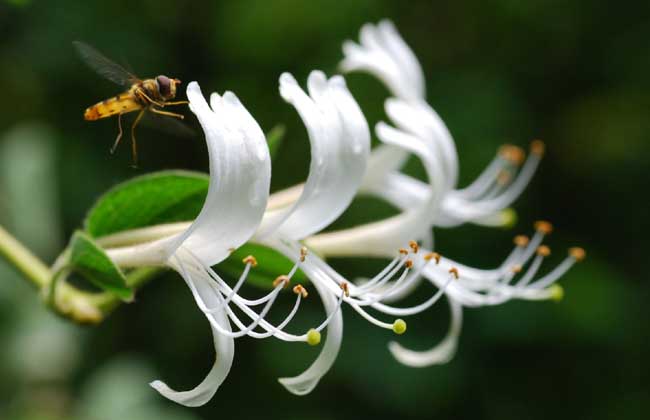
{"points": [[142, 95]]}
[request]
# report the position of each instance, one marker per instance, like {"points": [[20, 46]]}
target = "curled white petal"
{"points": [[382, 52], [340, 142], [240, 173], [307, 381], [224, 348], [440, 354]]}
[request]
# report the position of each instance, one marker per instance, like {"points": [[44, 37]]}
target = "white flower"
{"points": [[384, 54], [420, 131]]}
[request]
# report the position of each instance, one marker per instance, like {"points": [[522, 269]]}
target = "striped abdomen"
{"points": [[120, 104]]}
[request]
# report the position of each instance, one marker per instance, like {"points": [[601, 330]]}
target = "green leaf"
{"points": [[162, 197], [270, 264], [89, 260], [274, 139]]}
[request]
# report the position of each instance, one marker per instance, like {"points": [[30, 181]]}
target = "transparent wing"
{"points": [[104, 66]]}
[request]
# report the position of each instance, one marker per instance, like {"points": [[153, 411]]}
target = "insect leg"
{"points": [[119, 135], [134, 147], [141, 92], [177, 103], [169, 114]]}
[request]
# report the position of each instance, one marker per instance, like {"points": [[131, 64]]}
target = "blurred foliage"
{"points": [[574, 73]]}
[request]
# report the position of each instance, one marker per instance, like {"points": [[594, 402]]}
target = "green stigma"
{"points": [[557, 292], [313, 337], [399, 326], [508, 218]]}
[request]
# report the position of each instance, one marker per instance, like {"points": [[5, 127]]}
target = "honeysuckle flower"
{"points": [[420, 131], [237, 209], [383, 53]]}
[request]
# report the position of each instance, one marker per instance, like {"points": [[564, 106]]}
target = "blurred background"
{"points": [[574, 73]]}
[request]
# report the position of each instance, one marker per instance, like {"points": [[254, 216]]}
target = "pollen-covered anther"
{"points": [[282, 279], [414, 246], [299, 290], [537, 147], [543, 251], [577, 253], [403, 251], [432, 256], [516, 269], [408, 264], [543, 226], [250, 260], [521, 240], [346, 290], [454, 272], [303, 253], [513, 154]]}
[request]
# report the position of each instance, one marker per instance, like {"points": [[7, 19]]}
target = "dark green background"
{"points": [[574, 73]]}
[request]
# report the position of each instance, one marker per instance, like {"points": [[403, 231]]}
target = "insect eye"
{"points": [[164, 85]]}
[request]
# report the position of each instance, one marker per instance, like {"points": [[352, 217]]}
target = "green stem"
{"points": [[26, 263], [63, 298]]}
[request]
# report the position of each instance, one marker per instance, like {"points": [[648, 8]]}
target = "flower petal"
{"points": [[240, 173], [305, 382], [384, 54], [224, 348], [440, 354], [340, 143]]}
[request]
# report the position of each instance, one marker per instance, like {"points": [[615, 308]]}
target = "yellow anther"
{"points": [[543, 226], [346, 290], [403, 251], [303, 254], [250, 260], [577, 253], [513, 154], [432, 256], [454, 272], [299, 290], [282, 279], [399, 326], [521, 240], [313, 337], [408, 264], [516, 269], [414, 246], [537, 147], [543, 251], [557, 292]]}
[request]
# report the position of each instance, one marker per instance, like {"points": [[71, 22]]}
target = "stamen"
{"points": [[284, 279], [408, 264], [577, 253], [543, 226], [303, 254], [346, 290], [432, 255], [516, 269], [513, 154], [250, 260], [299, 290], [403, 251], [521, 240], [543, 251], [414, 246], [537, 147], [454, 272]]}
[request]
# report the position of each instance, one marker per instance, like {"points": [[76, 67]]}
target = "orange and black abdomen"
{"points": [[120, 104]]}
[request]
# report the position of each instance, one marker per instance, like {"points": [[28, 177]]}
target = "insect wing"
{"points": [[104, 66]]}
